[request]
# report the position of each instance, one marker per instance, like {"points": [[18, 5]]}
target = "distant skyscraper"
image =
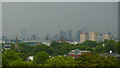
{"points": [[85, 29], [56, 36], [107, 36], [23, 34], [61, 33], [33, 37], [47, 37], [70, 35], [78, 35], [65, 35], [93, 36], [83, 37]]}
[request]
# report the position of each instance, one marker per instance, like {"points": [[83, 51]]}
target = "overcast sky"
{"points": [[42, 18], [60, 0]]}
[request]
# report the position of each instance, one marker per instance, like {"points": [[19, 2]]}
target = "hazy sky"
{"points": [[42, 18], [60, 0]]}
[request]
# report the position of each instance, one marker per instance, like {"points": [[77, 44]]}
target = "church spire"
{"points": [[16, 45]]}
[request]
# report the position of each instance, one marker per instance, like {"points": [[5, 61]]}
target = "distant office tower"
{"points": [[93, 36], [47, 37], [85, 29], [83, 37], [33, 37], [70, 35], [56, 36], [23, 34], [62, 38], [65, 35], [61, 33], [78, 35], [107, 36]]}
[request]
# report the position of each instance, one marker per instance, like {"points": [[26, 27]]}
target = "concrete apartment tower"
{"points": [[107, 36], [93, 36], [83, 37]]}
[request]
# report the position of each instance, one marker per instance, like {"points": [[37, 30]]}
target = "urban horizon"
{"points": [[51, 18], [47, 34]]}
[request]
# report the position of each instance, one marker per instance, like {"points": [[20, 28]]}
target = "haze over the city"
{"points": [[42, 18]]}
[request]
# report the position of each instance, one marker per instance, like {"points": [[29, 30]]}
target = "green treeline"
{"points": [[42, 52]]}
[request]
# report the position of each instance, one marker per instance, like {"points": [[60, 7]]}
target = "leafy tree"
{"points": [[41, 57], [117, 47], [56, 52], [99, 49], [8, 57], [65, 49], [84, 60], [25, 48], [40, 48], [23, 56], [18, 62], [53, 44], [31, 63], [0, 59], [104, 61], [96, 60], [60, 61], [60, 48], [109, 45], [12, 46], [90, 43]]}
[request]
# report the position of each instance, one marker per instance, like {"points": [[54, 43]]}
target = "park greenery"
{"points": [[57, 50]]}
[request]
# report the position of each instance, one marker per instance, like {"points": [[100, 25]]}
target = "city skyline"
{"points": [[43, 18], [67, 36]]}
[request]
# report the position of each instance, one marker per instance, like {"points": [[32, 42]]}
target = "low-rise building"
{"points": [[77, 53], [7, 47]]}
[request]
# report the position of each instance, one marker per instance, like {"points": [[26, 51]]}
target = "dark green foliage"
{"points": [[53, 44], [8, 57], [60, 61], [96, 60], [90, 43], [23, 56], [41, 57], [109, 45], [40, 48], [42, 52]]}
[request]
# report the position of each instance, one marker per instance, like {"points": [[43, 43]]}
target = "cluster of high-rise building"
{"points": [[93, 36], [66, 36]]}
